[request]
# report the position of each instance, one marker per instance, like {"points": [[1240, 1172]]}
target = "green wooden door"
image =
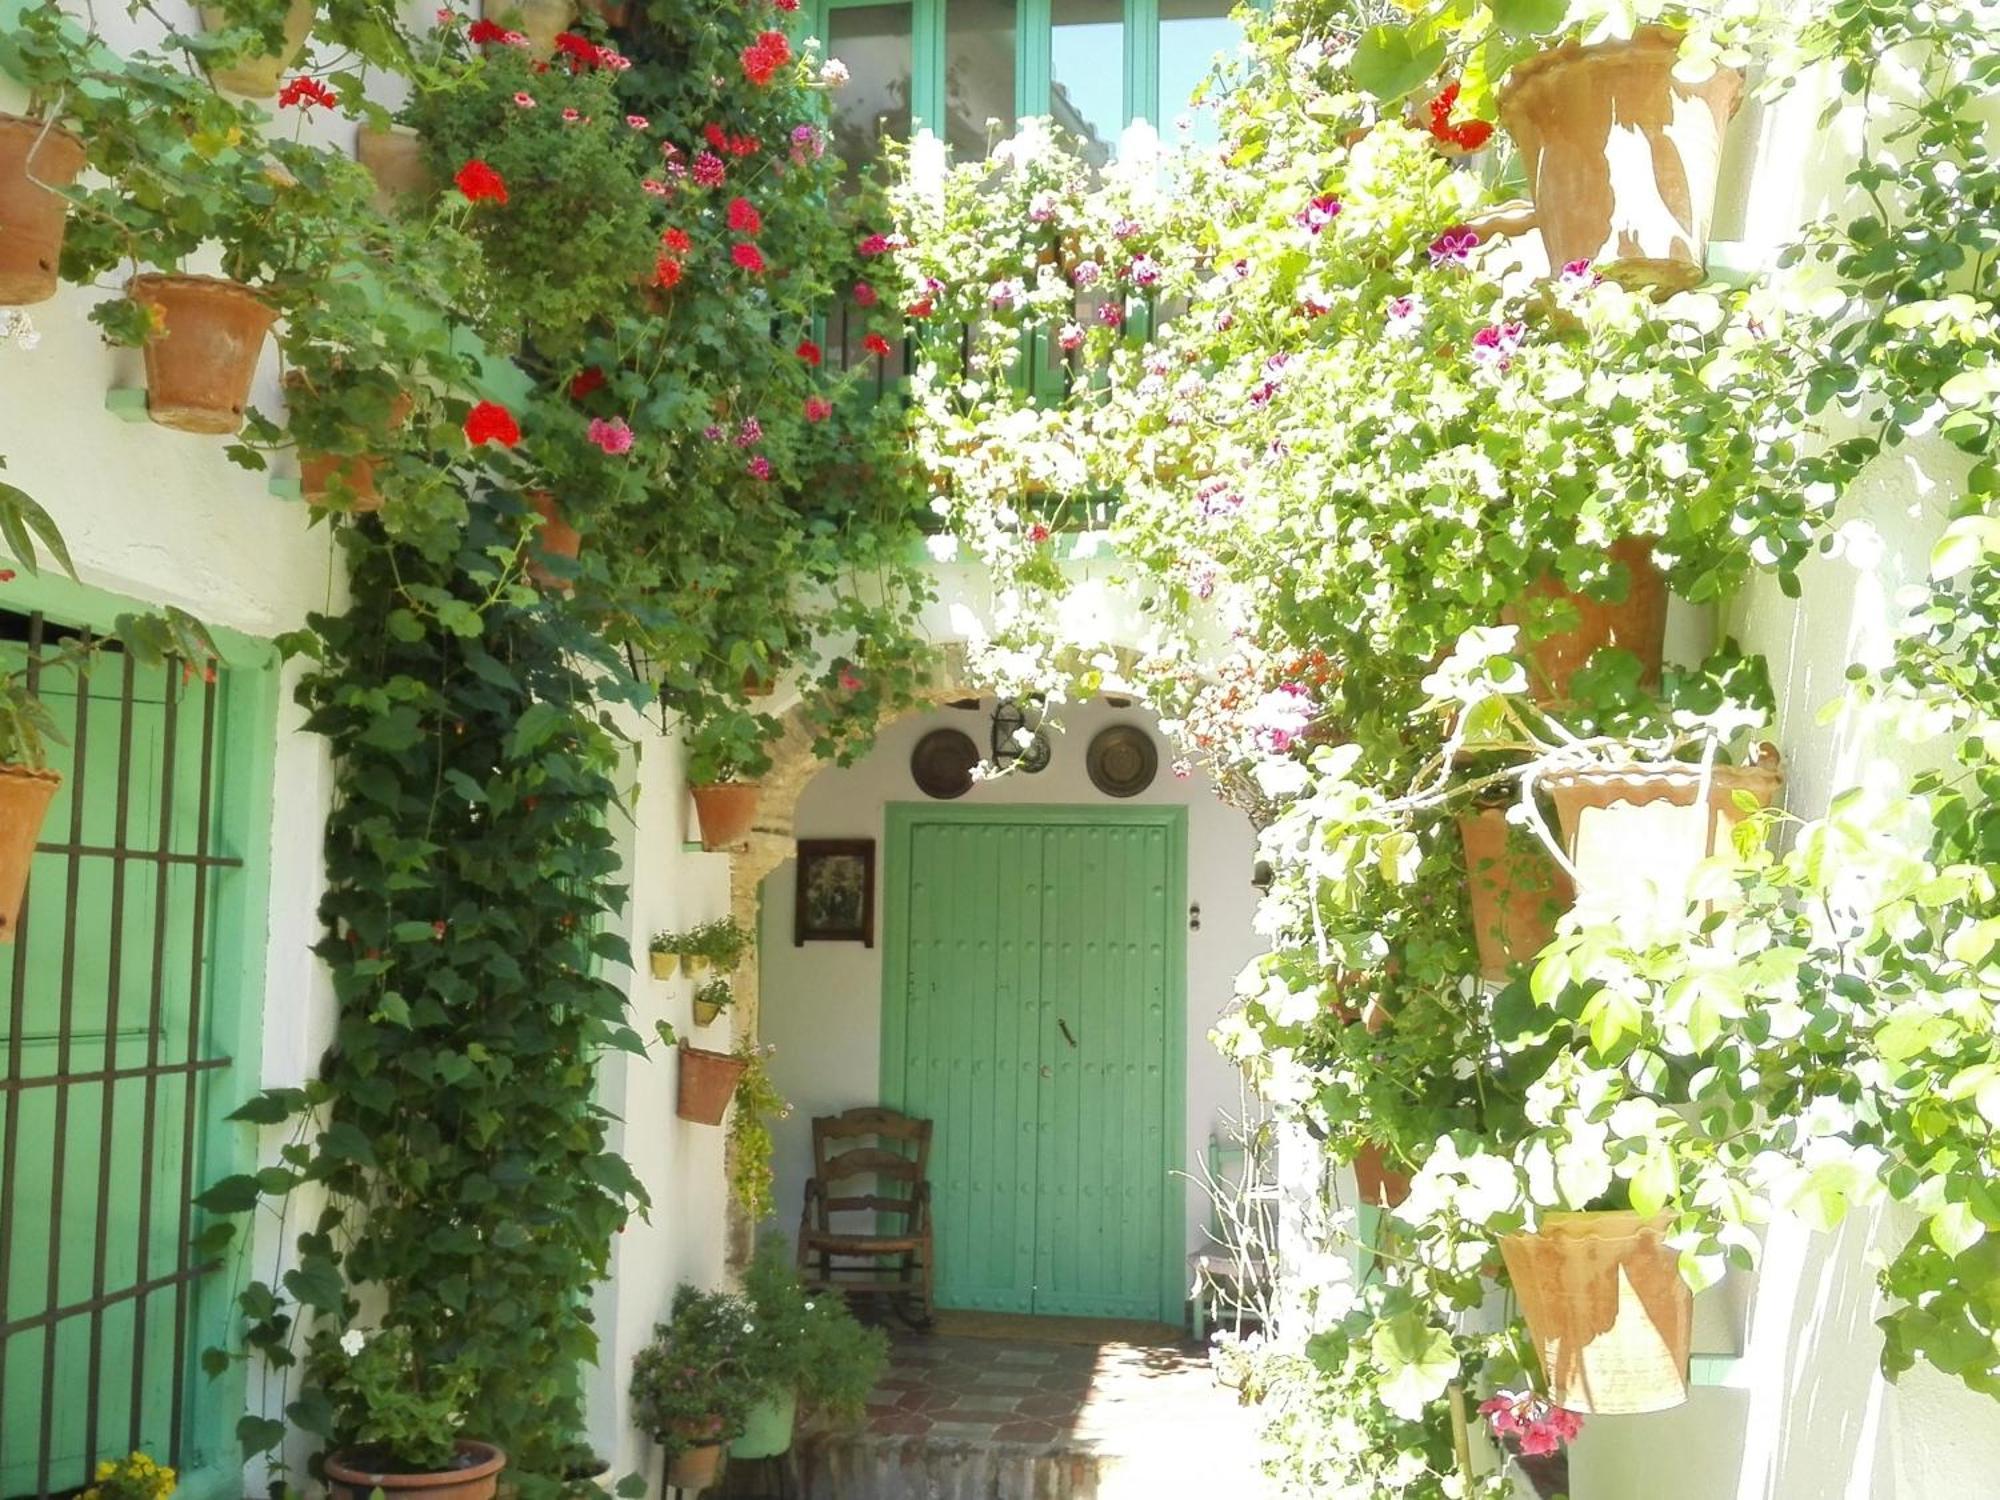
{"points": [[1033, 1010]]}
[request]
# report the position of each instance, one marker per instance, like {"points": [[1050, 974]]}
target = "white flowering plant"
{"points": [[391, 1406]]}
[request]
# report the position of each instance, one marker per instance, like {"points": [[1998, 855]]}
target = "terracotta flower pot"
{"points": [[757, 686], [556, 538], [395, 159], [1635, 832], [1517, 892], [540, 21], [665, 965], [24, 802], [318, 471], [1377, 1182], [202, 354], [476, 1478], [708, 1083], [695, 1468], [1622, 156], [707, 1013], [32, 214], [1637, 623], [725, 811], [257, 74], [1607, 1311]]}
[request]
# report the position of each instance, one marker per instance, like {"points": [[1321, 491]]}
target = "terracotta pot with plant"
{"points": [[394, 157], [361, 411], [710, 1001], [1608, 1313], [1563, 627], [707, 1084], [725, 810], [396, 1414], [256, 74], [205, 336], [1622, 155], [555, 537], [36, 158], [693, 1385], [1515, 889], [809, 1351]]}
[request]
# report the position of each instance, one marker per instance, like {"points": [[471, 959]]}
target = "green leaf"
{"points": [[1416, 1363], [1955, 1229], [343, 1141], [233, 1195], [272, 1107], [1530, 18], [258, 1434], [1390, 61]]}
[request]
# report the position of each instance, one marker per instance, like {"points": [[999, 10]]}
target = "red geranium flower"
{"points": [[581, 51], [763, 57], [307, 92], [876, 345], [743, 216], [741, 145], [675, 240], [483, 31], [478, 181], [666, 272], [921, 308], [1467, 135], [490, 422], [808, 351], [749, 257], [708, 169], [715, 135], [585, 381], [818, 408]]}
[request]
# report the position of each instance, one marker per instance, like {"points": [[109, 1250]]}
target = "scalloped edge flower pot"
{"points": [[33, 217], [256, 75], [1516, 892], [203, 355], [25, 795], [476, 1481], [707, 1084], [1622, 157], [1608, 1313], [1637, 623], [395, 159], [725, 810]]}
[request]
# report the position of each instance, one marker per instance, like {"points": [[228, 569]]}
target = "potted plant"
{"points": [[339, 420], [720, 943], [38, 157], [693, 1384], [137, 1476], [810, 1350], [710, 1001], [553, 536], [664, 954], [394, 157], [396, 1416], [707, 1084], [1619, 600], [1516, 891], [264, 45], [758, 1102], [725, 755]]}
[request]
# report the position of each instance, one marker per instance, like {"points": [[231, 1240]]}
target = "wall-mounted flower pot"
{"points": [[318, 472], [1517, 891], [1377, 1182], [1622, 157], [351, 1476], [555, 538], [256, 74], [665, 965], [1607, 1311], [767, 1430], [32, 214], [1636, 623], [1635, 832], [707, 1013], [540, 21], [757, 685], [202, 354], [24, 802], [708, 1083], [695, 1468], [395, 159], [725, 810]]}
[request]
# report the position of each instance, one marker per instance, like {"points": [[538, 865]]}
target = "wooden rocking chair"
{"points": [[889, 1252]]}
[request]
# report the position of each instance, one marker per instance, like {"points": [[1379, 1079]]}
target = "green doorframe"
{"points": [[212, 1463], [901, 819]]}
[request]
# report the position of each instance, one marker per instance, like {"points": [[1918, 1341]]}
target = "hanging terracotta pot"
{"points": [[665, 965], [725, 810], [318, 471], [352, 1477], [1609, 1316], [202, 354], [395, 159], [707, 1013], [613, 12], [757, 684], [695, 1468], [1635, 832], [1637, 623], [1622, 157], [540, 21], [35, 159], [1517, 891], [256, 74], [556, 538], [1379, 1183], [708, 1083], [24, 802]]}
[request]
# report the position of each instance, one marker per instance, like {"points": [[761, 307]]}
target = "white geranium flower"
{"points": [[353, 1342]]}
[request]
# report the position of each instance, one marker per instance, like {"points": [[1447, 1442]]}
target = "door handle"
{"points": [[1063, 1026]]}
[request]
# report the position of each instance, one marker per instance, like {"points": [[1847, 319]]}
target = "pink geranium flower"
{"points": [[612, 436]]}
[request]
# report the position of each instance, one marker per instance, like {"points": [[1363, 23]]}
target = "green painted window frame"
{"points": [[212, 1460], [899, 820]]}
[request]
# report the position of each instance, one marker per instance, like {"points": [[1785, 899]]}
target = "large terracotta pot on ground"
{"points": [[35, 159], [203, 353], [256, 74], [351, 1478], [1622, 156], [725, 810], [395, 159], [24, 802], [708, 1083], [1607, 1311], [1517, 891], [694, 1468], [1635, 832], [1636, 623]]}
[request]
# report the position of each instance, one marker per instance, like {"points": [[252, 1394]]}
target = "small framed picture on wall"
{"points": [[836, 894]]}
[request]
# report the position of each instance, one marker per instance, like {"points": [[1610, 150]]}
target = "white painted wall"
{"points": [[822, 1004]]}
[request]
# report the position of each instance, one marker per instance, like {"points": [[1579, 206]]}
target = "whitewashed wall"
{"points": [[822, 1003]]}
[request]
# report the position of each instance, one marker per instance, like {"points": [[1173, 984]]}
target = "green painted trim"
{"points": [[1142, 62], [285, 489], [1034, 56], [127, 403], [98, 609], [900, 820], [929, 59]]}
